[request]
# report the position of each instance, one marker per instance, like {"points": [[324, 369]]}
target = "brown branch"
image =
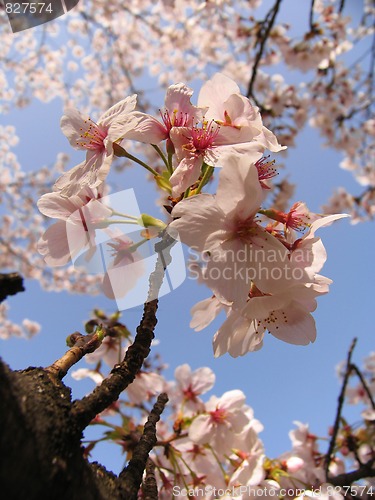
{"points": [[82, 345], [150, 488], [371, 75], [124, 373], [267, 26], [328, 457], [311, 17], [10, 284], [366, 470], [364, 384], [131, 476], [342, 5]]}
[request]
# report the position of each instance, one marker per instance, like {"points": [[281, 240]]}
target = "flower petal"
{"points": [[119, 111]]}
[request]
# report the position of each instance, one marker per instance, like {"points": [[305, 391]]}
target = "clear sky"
{"points": [[282, 382]]}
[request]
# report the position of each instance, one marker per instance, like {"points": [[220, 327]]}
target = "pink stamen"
{"points": [[265, 169], [93, 137], [190, 394], [203, 138], [175, 119], [218, 416]]}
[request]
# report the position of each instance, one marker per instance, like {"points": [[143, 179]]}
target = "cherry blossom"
{"points": [[110, 351], [82, 373], [223, 418], [97, 139], [230, 126], [178, 112], [189, 386], [212, 443], [239, 122], [225, 226], [144, 387], [75, 229]]}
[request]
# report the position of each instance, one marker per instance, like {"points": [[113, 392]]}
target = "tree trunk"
{"points": [[40, 444]]}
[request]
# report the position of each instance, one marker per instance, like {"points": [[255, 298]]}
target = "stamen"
{"points": [[92, 136], [265, 169], [203, 138]]}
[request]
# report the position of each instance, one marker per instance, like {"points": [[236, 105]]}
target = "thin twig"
{"points": [[82, 345], [131, 476], [364, 384], [268, 24], [328, 457], [311, 17]]}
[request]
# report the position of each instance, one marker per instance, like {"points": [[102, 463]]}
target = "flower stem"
{"points": [[162, 156], [206, 176], [119, 221], [170, 166], [125, 154], [127, 216]]}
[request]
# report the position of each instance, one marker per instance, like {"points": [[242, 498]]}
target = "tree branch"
{"points": [[265, 31], [366, 470], [124, 373], [364, 384], [131, 476], [341, 399], [83, 344], [10, 284], [150, 489], [341, 7], [311, 17]]}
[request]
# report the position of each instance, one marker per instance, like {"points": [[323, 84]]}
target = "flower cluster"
{"points": [[262, 271]]}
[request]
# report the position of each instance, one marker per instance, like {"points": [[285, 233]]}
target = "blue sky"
{"points": [[282, 382]]}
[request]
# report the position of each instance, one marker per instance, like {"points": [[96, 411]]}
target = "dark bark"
{"points": [[10, 284], [131, 476], [40, 443]]}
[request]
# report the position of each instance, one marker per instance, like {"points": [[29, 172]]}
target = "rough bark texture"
{"points": [[10, 284], [40, 445]]}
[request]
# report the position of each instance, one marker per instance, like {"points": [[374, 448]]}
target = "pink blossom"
{"points": [[144, 387], [202, 462], [190, 385], [82, 373], [77, 216], [97, 139], [231, 126], [225, 226], [240, 122], [224, 418], [110, 351], [31, 327], [178, 112]]}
